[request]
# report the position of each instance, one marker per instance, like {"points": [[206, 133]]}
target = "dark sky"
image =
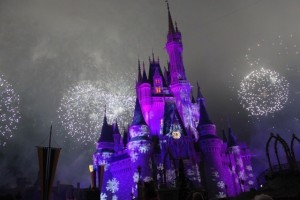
{"points": [[46, 46]]}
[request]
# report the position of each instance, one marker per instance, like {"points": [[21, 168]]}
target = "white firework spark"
{"points": [[82, 107], [263, 91], [9, 111]]}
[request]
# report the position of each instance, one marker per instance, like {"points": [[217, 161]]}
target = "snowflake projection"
{"points": [[135, 177], [221, 195], [103, 196], [190, 172], [112, 185], [147, 179], [242, 175], [114, 197], [171, 176], [249, 167], [82, 107], [106, 155], [215, 174], [105, 163], [9, 111], [263, 92], [251, 175], [133, 157], [133, 145], [221, 184], [158, 176], [250, 182], [239, 162], [187, 114], [160, 166], [144, 148], [236, 180]]}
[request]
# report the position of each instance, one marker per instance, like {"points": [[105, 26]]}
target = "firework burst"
{"points": [[82, 107], [263, 91], [9, 111]]}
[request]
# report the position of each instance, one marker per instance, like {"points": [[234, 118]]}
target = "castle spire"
{"points": [[204, 118], [171, 25], [144, 78], [224, 136], [107, 130], [139, 72], [232, 141], [199, 94], [138, 118], [105, 118]]}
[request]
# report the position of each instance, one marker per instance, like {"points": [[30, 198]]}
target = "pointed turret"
{"points": [[139, 72], [193, 98], [232, 140], [125, 137], [116, 128], [174, 49], [171, 25], [199, 94], [107, 131], [138, 118], [204, 117], [144, 78]]}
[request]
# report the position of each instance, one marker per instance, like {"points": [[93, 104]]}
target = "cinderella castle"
{"points": [[171, 136]]}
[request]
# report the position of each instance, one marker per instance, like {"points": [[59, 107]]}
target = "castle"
{"points": [[170, 130]]}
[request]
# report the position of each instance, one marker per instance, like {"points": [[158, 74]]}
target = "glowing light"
{"points": [[9, 111], [263, 91], [82, 107]]}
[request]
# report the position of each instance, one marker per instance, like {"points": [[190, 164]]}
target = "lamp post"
{"points": [[93, 176]]}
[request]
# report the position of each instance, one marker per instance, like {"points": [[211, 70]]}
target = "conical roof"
{"points": [[232, 140], [138, 118], [106, 132]]}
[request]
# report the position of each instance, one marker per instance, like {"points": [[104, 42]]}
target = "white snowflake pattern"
{"points": [[135, 177], [144, 148], [215, 174], [112, 185], [160, 166], [133, 156], [190, 172], [147, 179], [114, 197], [133, 145], [221, 195], [105, 163], [239, 162], [242, 175], [250, 182], [249, 167], [170, 175], [251, 175], [221, 184], [106, 155], [103, 196]]}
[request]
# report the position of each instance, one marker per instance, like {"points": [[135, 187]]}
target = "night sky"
{"points": [[48, 46]]}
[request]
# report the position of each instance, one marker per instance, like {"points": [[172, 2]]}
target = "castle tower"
{"points": [[174, 48], [117, 137], [140, 146], [179, 85], [211, 157], [144, 95], [237, 162]]}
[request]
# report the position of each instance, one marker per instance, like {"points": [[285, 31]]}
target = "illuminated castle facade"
{"points": [[171, 136]]}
